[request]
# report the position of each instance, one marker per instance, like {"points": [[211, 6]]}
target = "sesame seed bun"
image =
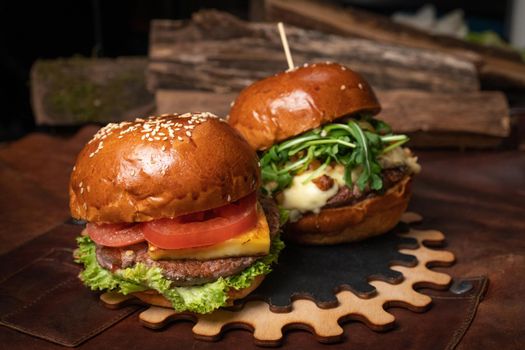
{"points": [[366, 218], [287, 104], [161, 167]]}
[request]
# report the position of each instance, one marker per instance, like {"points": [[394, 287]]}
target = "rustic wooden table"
{"points": [[476, 198]]}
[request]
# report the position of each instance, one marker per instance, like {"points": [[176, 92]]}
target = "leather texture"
{"points": [[44, 299]]}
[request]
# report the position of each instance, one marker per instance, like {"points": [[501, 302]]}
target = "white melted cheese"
{"points": [[306, 196], [400, 157], [302, 197]]}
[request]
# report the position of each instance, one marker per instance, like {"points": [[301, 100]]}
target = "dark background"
{"points": [[51, 29]]}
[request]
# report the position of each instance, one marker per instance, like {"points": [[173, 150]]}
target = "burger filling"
{"points": [[193, 261], [335, 165]]}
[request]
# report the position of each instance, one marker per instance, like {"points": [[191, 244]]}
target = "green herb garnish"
{"points": [[355, 143]]}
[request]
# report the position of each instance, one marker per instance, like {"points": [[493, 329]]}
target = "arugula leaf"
{"points": [[353, 143]]}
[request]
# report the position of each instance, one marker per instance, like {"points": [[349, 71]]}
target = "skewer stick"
{"points": [[286, 48]]}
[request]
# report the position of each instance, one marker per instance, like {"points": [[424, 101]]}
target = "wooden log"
{"points": [[499, 67], [482, 112], [218, 52], [80, 90], [467, 120]]}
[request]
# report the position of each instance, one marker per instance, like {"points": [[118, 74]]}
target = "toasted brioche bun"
{"points": [[287, 104], [367, 218], [154, 298], [161, 167]]}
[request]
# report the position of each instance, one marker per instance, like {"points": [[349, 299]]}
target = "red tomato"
{"points": [[199, 230], [115, 235]]}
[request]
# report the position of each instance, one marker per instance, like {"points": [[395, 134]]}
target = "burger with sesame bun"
{"points": [[172, 211], [337, 173]]}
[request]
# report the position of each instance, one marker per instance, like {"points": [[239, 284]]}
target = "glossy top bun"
{"points": [[161, 167], [292, 102]]}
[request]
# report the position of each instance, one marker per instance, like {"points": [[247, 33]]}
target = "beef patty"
{"points": [[351, 195], [185, 272]]}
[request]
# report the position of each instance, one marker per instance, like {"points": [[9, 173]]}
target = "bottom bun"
{"points": [[367, 218], [152, 297]]}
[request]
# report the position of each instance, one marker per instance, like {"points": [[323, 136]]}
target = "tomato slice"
{"points": [[204, 228], [115, 235]]}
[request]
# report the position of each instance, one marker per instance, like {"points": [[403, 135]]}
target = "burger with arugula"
{"points": [[173, 216], [337, 173]]}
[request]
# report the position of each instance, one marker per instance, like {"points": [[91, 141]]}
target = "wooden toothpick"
{"points": [[286, 48]]}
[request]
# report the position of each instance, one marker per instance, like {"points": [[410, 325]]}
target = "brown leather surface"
{"points": [[47, 300], [476, 199], [68, 314]]}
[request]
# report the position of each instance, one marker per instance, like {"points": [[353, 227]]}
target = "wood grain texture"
{"points": [[498, 66], [482, 112], [268, 327], [218, 52]]}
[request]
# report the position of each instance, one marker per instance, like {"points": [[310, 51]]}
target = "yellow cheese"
{"points": [[251, 243]]}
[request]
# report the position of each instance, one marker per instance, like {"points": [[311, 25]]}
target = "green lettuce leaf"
{"points": [[200, 299]]}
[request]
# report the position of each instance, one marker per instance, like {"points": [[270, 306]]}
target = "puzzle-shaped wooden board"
{"points": [[361, 296]]}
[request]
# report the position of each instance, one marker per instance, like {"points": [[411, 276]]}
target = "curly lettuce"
{"points": [[200, 299]]}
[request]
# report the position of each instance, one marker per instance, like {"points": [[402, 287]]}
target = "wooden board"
{"points": [[463, 120], [268, 326]]}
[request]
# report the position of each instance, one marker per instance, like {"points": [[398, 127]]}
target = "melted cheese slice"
{"points": [[251, 243], [400, 156], [304, 196]]}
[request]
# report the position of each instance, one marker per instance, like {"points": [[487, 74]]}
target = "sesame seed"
{"points": [[81, 190], [163, 148], [343, 87], [180, 138], [188, 133], [360, 86], [229, 198]]}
